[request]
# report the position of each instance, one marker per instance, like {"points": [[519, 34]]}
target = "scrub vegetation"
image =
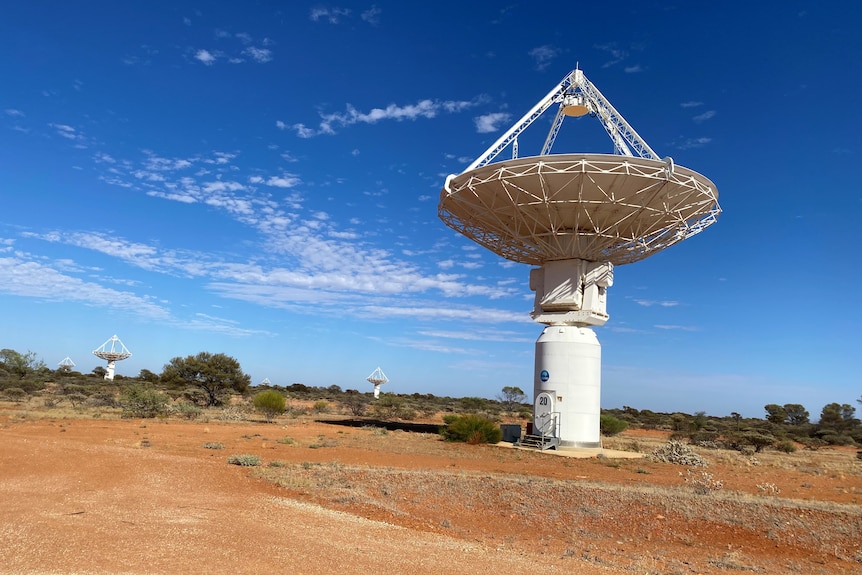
{"points": [[213, 385]]}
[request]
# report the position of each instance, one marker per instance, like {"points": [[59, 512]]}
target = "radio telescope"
{"points": [[575, 216], [67, 364], [112, 351], [378, 378]]}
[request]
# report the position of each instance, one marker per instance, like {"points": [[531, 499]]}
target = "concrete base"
{"points": [[579, 452]]}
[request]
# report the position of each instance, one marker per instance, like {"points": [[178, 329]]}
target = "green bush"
{"points": [[270, 403], [16, 394], [320, 406], [786, 446], [610, 425], [76, 399], [187, 410], [143, 401], [471, 428]]}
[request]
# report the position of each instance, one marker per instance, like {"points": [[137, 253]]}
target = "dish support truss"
{"points": [[573, 89]]}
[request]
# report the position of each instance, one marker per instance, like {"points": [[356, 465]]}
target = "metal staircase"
{"points": [[547, 436], [542, 442]]}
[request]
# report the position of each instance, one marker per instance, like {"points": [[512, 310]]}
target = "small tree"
{"points": [[389, 406], [270, 403], [216, 374], [775, 413], [512, 398], [20, 364], [796, 414], [838, 417], [356, 403], [148, 376]]}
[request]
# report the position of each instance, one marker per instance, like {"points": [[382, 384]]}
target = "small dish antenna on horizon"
{"points": [[67, 364], [378, 378], [112, 351], [266, 381]]}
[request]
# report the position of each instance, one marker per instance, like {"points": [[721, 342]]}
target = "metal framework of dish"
{"points": [[112, 351], [377, 378], [617, 208], [67, 364], [575, 216]]}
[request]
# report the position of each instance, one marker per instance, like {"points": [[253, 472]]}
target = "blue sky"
{"points": [[263, 181]]}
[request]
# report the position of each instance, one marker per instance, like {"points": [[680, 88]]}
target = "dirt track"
{"points": [[131, 496]]}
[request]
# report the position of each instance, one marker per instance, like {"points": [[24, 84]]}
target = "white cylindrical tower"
{"points": [[569, 370]]}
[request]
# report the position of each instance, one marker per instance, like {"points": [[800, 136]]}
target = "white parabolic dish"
{"points": [[594, 207]]}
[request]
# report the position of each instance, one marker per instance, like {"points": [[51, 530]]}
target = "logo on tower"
{"points": [[544, 376]]}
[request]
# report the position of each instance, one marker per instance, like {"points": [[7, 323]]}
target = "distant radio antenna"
{"points": [[378, 378], [67, 364], [266, 381], [112, 351]]}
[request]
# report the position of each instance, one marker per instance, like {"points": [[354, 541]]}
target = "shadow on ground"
{"points": [[388, 425]]}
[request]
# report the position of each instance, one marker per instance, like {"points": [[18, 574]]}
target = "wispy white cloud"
{"points": [[66, 131], [14, 113], [372, 15], [311, 262], [650, 303], [235, 48], [705, 116], [544, 55], [633, 69], [206, 57], [284, 181], [489, 123], [616, 53], [421, 109], [29, 278], [331, 15], [261, 55], [691, 104], [478, 335], [26, 276], [689, 143], [677, 327]]}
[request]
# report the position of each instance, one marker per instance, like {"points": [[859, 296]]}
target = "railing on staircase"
{"points": [[547, 436]]}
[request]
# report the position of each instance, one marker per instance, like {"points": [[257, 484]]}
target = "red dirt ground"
{"points": [[146, 496]]}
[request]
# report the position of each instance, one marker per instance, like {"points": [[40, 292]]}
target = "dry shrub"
{"points": [[678, 453]]}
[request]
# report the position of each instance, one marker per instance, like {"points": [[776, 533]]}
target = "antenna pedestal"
{"points": [[568, 380], [571, 296]]}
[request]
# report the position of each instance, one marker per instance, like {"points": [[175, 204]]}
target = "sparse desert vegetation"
{"points": [[681, 508], [693, 494]]}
